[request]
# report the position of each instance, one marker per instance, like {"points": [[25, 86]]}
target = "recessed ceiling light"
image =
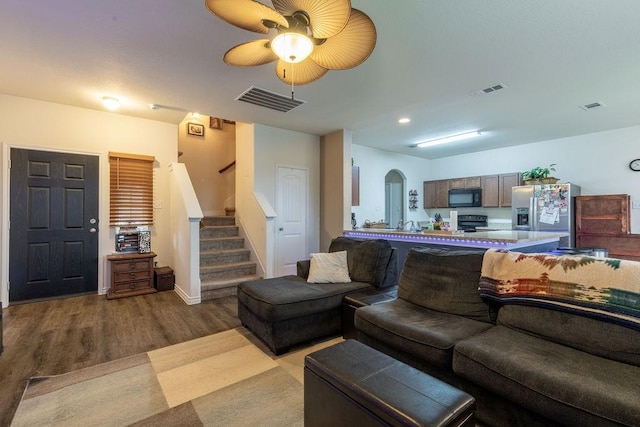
{"points": [[450, 138], [111, 103], [404, 120]]}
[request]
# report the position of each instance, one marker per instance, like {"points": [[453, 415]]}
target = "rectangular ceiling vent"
{"points": [[489, 89], [264, 98], [593, 106]]}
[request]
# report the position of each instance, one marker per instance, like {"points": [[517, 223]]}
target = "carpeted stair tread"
{"points": [[227, 266], [220, 243], [217, 220], [224, 256], [224, 261], [225, 283], [219, 231]]}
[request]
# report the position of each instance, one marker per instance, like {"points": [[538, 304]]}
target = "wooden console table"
{"points": [[131, 274]]}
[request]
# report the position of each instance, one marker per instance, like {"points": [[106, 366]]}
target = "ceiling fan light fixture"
{"points": [[292, 47], [447, 139]]}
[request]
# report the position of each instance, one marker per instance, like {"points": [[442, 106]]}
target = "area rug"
{"points": [[222, 379]]}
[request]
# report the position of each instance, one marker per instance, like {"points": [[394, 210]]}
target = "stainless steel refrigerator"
{"points": [[546, 207]]}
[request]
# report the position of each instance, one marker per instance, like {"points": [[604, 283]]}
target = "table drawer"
{"points": [[134, 264], [126, 276], [131, 286]]}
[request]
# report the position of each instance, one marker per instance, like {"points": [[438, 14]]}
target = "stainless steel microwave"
{"points": [[465, 198]]}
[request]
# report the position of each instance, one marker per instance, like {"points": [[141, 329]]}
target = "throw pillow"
{"points": [[329, 268]]}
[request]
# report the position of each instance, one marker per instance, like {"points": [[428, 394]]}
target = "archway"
{"points": [[395, 209]]}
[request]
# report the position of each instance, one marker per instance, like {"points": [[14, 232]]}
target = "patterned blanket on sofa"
{"points": [[600, 287]]}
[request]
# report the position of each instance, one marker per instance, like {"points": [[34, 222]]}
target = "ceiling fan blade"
{"points": [[349, 48], [328, 17], [301, 73], [249, 54], [246, 14]]}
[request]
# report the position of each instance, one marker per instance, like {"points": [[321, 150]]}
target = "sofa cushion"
{"points": [[444, 280], [370, 261], [601, 288], [599, 338], [329, 268], [287, 297], [421, 332], [567, 385]]}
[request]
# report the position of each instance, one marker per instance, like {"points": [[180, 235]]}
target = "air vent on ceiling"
{"points": [[593, 106], [264, 98], [489, 89]]}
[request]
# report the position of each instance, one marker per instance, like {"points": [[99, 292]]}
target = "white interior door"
{"points": [[291, 222]]}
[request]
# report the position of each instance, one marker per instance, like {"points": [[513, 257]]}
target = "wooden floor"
{"points": [[58, 336]]}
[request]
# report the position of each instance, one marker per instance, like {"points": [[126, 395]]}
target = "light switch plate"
{"points": [[636, 204], [157, 204]]}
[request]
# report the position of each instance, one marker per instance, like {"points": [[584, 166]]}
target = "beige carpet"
{"points": [[226, 379]]}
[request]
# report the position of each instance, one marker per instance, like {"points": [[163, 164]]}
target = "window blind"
{"points": [[131, 189]]}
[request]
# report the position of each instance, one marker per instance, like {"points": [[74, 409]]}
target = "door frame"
{"points": [[276, 257], [5, 192]]}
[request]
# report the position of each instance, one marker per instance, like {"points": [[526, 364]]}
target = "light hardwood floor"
{"points": [[58, 336]]}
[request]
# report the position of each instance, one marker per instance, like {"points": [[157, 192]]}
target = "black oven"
{"points": [[465, 198]]}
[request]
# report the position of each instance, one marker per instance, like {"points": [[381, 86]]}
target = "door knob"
{"points": [[92, 230], [281, 229]]}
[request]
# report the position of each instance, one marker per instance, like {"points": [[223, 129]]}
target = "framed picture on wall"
{"points": [[196, 129], [215, 123]]}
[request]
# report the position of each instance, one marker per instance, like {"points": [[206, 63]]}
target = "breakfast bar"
{"points": [[521, 241]]}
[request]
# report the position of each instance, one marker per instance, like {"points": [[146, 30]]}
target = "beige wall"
{"points": [[260, 150], [204, 157], [335, 202], [31, 124]]}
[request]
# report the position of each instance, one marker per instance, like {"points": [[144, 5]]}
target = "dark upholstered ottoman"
{"points": [[352, 384], [285, 311]]}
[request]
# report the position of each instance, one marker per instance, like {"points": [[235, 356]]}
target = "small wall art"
{"points": [[196, 129], [215, 123]]}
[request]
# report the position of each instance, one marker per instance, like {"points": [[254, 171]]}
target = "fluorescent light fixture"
{"points": [[111, 103], [292, 47], [404, 120], [447, 139]]}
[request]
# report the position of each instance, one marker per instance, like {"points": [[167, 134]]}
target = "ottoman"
{"points": [[287, 311], [352, 384]]}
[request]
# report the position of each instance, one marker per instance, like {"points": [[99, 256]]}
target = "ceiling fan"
{"points": [[313, 36]]}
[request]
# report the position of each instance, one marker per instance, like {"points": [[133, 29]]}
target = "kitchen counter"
{"points": [[506, 239], [522, 241]]}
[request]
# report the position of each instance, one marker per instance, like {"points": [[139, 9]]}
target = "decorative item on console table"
{"points": [[539, 175]]}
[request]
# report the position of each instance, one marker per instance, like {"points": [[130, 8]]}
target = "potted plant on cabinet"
{"points": [[539, 175]]}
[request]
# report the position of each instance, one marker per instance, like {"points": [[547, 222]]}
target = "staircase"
{"points": [[224, 262]]}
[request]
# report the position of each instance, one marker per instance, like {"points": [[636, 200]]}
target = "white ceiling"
{"points": [[553, 55]]}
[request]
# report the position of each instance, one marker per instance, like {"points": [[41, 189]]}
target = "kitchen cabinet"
{"points": [[430, 194], [442, 187], [507, 182], [131, 274], [436, 194], [490, 185], [496, 189], [604, 222], [355, 185], [462, 183]]}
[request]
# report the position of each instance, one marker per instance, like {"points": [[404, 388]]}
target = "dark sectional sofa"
{"points": [[526, 363], [286, 311]]}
